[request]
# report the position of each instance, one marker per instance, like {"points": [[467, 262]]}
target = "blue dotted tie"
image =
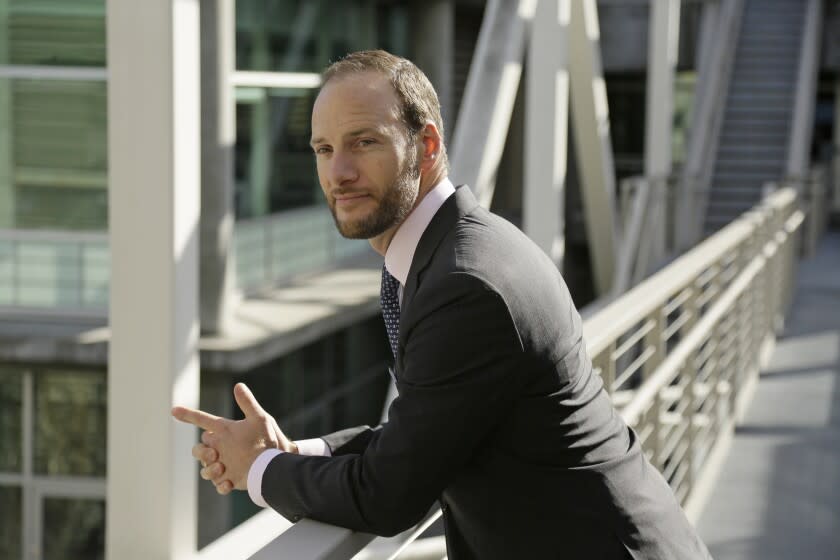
{"points": [[390, 301]]}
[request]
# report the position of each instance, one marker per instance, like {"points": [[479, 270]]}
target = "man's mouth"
{"points": [[347, 199]]}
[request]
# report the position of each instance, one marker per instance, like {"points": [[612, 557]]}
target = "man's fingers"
{"points": [[198, 418], [210, 439], [205, 454], [224, 487], [212, 472], [246, 401]]}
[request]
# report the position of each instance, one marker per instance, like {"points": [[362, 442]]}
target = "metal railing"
{"points": [[279, 246], [68, 273], [814, 191], [54, 270], [679, 354]]}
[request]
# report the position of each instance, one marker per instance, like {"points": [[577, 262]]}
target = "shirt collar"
{"points": [[400, 252]]}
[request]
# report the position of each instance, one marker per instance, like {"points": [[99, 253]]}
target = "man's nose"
{"points": [[343, 169]]}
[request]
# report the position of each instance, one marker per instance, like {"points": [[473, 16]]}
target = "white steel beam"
{"points": [[436, 18], [546, 128], [591, 124], [154, 162], [663, 42], [218, 135], [836, 185], [802, 123], [492, 83]]}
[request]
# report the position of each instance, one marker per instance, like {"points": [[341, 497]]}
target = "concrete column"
{"points": [[484, 117], [154, 194], [7, 184], [218, 135], [836, 205], [591, 125], [434, 45], [546, 133], [663, 49]]}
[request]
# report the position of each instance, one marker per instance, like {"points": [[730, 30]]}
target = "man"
{"points": [[499, 414]]}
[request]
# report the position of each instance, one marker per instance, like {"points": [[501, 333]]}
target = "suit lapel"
{"points": [[456, 206]]}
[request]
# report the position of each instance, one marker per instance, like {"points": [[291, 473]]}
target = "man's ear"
{"points": [[432, 146]]}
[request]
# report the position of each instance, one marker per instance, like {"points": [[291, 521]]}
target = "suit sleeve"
{"points": [[458, 380]]}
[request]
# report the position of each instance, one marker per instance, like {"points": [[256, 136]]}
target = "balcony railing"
{"points": [[679, 353], [67, 273]]}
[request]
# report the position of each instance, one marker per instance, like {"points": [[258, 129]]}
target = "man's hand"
{"points": [[230, 447]]}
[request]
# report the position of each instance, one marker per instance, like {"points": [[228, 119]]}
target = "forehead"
{"points": [[348, 102]]}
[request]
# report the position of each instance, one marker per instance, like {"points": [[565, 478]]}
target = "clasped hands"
{"points": [[228, 448]]}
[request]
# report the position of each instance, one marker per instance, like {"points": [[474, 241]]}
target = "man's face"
{"points": [[367, 165]]}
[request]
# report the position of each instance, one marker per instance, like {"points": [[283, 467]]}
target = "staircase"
{"points": [[753, 147]]}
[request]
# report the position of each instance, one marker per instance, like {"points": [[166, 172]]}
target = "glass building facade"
{"points": [[54, 249]]}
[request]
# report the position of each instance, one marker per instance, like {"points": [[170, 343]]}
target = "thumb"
{"points": [[246, 401]]}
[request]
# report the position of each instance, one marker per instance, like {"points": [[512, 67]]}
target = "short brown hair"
{"points": [[418, 99]]}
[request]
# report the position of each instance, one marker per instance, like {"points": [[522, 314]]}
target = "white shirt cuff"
{"points": [[255, 476], [314, 446]]}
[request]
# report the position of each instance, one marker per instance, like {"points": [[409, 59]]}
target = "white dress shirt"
{"points": [[398, 259]]}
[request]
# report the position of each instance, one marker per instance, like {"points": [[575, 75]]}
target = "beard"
{"points": [[394, 207]]}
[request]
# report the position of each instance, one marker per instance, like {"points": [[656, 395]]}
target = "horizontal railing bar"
{"points": [[678, 300], [674, 361], [636, 337], [635, 366]]}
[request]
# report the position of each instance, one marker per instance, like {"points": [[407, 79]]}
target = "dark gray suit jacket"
{"points": [[499, 415]]}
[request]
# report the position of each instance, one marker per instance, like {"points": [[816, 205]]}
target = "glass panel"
{"points": [[53, 162], [11, 406], [11, 513], [52, 32], [301, 35], [70, 423], [74, 529], [275, 167]]}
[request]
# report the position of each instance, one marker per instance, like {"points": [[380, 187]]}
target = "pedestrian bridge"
{"points": [[726, 363]]}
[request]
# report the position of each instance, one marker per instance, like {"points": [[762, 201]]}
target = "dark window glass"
{"points": [[10, 528], [274, 164], [53, 32], [10, 421], [53, 168], [70, 423], [301, 35], [74, 529]]}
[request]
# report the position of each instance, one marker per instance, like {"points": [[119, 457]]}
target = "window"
{"points": [[52, 422]]}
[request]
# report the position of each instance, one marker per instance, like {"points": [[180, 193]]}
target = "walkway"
{"points": [[778, 494]]}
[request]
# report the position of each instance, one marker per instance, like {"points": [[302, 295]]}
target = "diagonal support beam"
{"points": [[546, 128], [663, 43], [590, 118], [492, 83]]}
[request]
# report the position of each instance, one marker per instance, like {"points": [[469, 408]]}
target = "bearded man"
{"points": [[499, 414]]}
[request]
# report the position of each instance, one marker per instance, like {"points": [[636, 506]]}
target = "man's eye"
{"points": [[322, 150], [366, 142]]}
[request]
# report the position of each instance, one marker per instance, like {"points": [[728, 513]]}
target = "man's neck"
{"points": [[381, 242]]}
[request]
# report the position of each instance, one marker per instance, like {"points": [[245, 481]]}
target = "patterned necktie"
{"points": [[390, 301]]}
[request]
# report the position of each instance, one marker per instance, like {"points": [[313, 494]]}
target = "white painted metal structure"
{"points": [[802, 124], [663, 43], [546, 129], [591, 125], [484, 118], [154, 158], [712, 89], [836, 157]]}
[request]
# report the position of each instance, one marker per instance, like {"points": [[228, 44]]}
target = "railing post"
{"points": [[605, 362], [655, 339]]}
